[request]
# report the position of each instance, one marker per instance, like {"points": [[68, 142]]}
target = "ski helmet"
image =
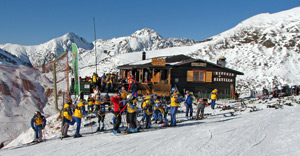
{"points": [[129, 97], [37, 112], [174, 89]]}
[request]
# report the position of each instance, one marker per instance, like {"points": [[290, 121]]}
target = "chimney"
{"points": [[144, 56], [221, 61]]}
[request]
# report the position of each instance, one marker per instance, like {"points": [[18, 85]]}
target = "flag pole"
{"points": [[95, 44]]}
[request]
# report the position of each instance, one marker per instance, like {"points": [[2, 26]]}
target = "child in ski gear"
{"points": [[106, 100], [97, 92], [108, 82], [175, 103], [131, 114], [213, 96], [147, 107], [144, 113], [200, 108], [118, 107], [134, 88], [103, 83], [130, 82], [165, 112], [78, 114], [123, 94], [67, 117], [90, 104], [123, 97], [94, 80], [188, 100], [38, 122], [100, 112], [157, 109]]}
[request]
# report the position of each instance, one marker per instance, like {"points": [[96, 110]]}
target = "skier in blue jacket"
{"points": [[188, 101]]}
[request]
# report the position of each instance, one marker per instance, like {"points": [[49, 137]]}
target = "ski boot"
{"points": [[116, 132], [65, 136], [77, 135]]}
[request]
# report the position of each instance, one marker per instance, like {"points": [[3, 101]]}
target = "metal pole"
{"points": [[95, 45]]}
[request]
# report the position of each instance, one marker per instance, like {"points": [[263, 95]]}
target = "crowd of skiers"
{"points": [[125, 104], [108, 82]]}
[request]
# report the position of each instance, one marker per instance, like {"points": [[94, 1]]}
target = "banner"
{"points": [[75, 69]]}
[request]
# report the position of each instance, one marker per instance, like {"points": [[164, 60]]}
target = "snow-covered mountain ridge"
{"points": [[145, 39], [265, 47]]}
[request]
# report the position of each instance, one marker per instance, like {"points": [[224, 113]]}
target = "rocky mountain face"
{"points": [[8, 59]]}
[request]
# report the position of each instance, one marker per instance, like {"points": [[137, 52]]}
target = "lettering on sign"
{"points": [[158, 62], [198, 64]]}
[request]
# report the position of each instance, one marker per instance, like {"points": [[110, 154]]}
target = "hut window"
{"points": [[195, 76]]}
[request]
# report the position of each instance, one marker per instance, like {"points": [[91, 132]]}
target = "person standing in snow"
{"points": [[134, 88], [131, 114], [130, 82], [108, 82], [157, 109], [165, 112], [188, 101], [38, 122], [213, 96], [103, 83], [67, 117], [78, 114], [118, 107], [148, 110], [100, 112], [200, 109], [94, 80], [175, 103], [91, 102]]}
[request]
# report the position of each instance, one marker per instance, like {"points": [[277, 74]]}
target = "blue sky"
{"points": [[32, 22]]}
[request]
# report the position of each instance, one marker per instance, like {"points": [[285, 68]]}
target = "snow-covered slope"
{"points": [[266, 132]]}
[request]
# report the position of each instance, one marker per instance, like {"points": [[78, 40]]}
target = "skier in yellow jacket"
{"points": [[131, 113], [78, 114], [213, 96], [38, 122], [67, 118], [175, 103], [148, 110]]}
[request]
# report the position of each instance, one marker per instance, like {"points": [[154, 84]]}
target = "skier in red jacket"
{"points": [[118, 107]]}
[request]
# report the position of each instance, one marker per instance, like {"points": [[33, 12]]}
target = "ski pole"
{"points": [[122, 110]]}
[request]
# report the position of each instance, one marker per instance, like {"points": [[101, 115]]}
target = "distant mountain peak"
{"points": [[145, 32]]}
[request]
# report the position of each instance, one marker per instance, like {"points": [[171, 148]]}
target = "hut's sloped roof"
{"points": [[176, 60]]}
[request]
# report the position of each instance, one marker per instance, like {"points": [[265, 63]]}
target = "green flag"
{"points": [[75, 69]]}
